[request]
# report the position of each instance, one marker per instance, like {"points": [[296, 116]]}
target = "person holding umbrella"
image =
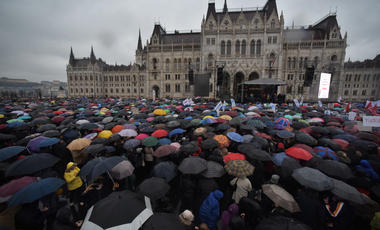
{"points": [[244, 186], [75, 187], [209, 211], [340, 213]]}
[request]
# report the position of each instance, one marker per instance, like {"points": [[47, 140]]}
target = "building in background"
{"points": [[232, 46], [22, 88]]}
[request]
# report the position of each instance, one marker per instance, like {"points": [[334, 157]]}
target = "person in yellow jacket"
{"points": [[75, 187]]}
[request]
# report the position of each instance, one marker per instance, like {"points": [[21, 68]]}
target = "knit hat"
{"points": [[274, 179], [138, 150], [186, 218]]}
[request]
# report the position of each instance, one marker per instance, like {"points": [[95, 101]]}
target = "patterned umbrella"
{"points": [[164, 150], [315, 119], [239, 168], [278, 158], [213, 170], [256, 123], [223, 141], [283, 121], [324, 151], [208, 121], [131, 143]]}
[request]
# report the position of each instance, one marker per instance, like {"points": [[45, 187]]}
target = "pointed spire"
{"points": [[225, 7], [139, 44], [92, 57], [72, 58]]}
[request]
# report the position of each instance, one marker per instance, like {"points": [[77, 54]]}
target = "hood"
{"points": [[365, 164], [69, 165], [217, 152], [233, 210], [217, 194], [64, 216]]}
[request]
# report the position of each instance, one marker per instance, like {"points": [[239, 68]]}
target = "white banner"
{"points": [[233, 103], [319, 103], [373, 121], [296, 102], [351, 116], [324, 85]]}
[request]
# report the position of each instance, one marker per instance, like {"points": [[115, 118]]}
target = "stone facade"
{"points": [[248, 43]]}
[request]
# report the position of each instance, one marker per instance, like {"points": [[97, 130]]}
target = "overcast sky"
{"points": [[36, 36]]}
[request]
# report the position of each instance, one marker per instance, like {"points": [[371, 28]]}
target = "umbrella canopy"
{"points": [[163, 221], [335, 169], [154, 188], [79, 144], [313, 178], [285, 134], [48, 142], [164, 150], [160, 133], [288, 165], [122, 170], [281, 223], [14, 186], [305, 138], [235, 136], [213, 170], [131, 143], [209, 144], [347, 192], [87, 168], [96, 148], [223, 141], [283, 121], [31, 164], [324, 151], [36, 190], [239, 168], [32, 145], [281, 197], [46, 127], [192, 165], [298, 153], [119, 210], [105, 134], [128, 133], [166, 170], [176, 131], [150, 141], [8, 152], [105, 165]]}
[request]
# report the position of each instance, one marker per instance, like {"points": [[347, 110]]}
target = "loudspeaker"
{"points": [[220, 76], [191, 77], [309, 76]]}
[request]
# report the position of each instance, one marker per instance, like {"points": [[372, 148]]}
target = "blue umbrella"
{"points": [[35, 191], [235, 136], [8, 152], [270, 123], [24, 117], [70, 134], [285, 134], [104, 166], [346, 137], [48, 142], [188, 118], [279, 157], [166, 170], [15, 124], [324, 151], [164, 141], [87, 168], [176, 131]]}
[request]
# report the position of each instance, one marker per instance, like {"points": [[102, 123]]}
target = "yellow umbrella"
{"points": [[105, 134], [159, 112], [208, 117], [1, 115], [226, 117]]}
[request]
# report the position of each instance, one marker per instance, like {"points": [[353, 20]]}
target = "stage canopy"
{"points": [[264, 81]]}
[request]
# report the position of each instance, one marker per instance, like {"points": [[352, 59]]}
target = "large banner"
{"points": [[201, 87], [373, 121], [324, 85]]}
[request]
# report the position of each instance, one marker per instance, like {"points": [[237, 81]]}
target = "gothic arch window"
{"points": [[229, 48], [167, 64], [86, 78], [355, 92], [76, 78], [76, 90], [185, 63], [179, 64], [111, 90], [81, 90], [210, 26], [155, 63], [293, 63], [272, 23], [117, 90], [237, 48], [155, 40], [122, 90], [243, 47], [71, 78], [258, 47], [177, 88], [210, 59], [300, 63], [187, 88], [80, 78], [305, 63], [167, 88], [252, 48], [210, 89], [288, 64], [175, 64], [334, 58]]}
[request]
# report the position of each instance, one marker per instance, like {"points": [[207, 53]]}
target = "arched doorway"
{"points": [[239, 78], [156, 89], [253, 76]]}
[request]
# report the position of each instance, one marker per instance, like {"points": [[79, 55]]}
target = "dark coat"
{"points": [[217, 157], [63, 220], [252, 210], [205, 187], [188, 188], [236, 223], [313, 211]]}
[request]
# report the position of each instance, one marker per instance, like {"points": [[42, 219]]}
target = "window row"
{"points": [[105, 90], [299, 89], [240, 48], [178, 64], [364, 92], [367, 77], [302, 63], [177, 88]]}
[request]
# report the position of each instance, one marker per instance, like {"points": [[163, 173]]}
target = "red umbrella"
{"points": [[221, 121], [307, 129], [298, 153], [164, 150], [342, 143], [116, 128], [141, 136], [264, 135], [233, 156], [338, 119], [58, 119], [232, 113], [160, 133]]}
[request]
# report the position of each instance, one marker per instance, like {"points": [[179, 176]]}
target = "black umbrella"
{"points": [[258, 154], [333, 131], [329, 143], [105, 165], [97, 148], [7, 136], [347, 192], [192, 165], [209, 144], [87, 126], [319, 129], [26, 126], [119, 210], [223, 127], [190, 148], [299, 125], [51, 133], [31, 164], [163, 221], [288, 165], [313, 178], [281, 223], [39, 122], [100, 140], [335, 169], [46, 127], [109, 126], [154, 188]]}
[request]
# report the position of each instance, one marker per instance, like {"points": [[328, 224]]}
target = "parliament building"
{"points": [[231, 47]]}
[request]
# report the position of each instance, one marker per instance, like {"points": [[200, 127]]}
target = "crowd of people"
{"points": [[239, 179]]}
